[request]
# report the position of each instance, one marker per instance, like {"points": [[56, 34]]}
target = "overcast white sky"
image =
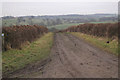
{"points": [[57, 7], [59, 0]]}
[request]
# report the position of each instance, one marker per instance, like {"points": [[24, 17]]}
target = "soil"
{"points": [[72, 57]]}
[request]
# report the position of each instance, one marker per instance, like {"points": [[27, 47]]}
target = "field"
{"points": [[53, 20], [63, 26], [23, 21], [36, 51], [66, 25], [103, 22]]}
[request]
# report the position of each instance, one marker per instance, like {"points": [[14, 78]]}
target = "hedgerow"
{"points": [[109, 30], [15, 36]]}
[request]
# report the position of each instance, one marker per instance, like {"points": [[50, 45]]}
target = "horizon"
{"points": [[66, 14]]}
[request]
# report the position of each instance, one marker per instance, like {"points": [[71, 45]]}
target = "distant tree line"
{"points": [[56, 20]]}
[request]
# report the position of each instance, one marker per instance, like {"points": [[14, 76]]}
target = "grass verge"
{"points": [[111, 47], [35, 51]]}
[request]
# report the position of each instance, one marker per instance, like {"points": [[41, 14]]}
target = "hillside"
{"points": [[54, 20]]}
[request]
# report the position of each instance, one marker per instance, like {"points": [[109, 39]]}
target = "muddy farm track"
{"points": [[73, 58]]}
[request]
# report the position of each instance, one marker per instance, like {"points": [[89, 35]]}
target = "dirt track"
{"points": [[74, 58]]}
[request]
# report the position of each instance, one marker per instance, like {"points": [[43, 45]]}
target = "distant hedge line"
{"points": [[15, 36], [109, 30]]}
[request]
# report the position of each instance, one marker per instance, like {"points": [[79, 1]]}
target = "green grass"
{"points": [[103, 22], [64, 26], [35, 51], [112, 47], [9, 22]]}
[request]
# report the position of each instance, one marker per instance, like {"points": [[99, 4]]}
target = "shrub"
{"points": [[109, 30], [15, 36]]}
